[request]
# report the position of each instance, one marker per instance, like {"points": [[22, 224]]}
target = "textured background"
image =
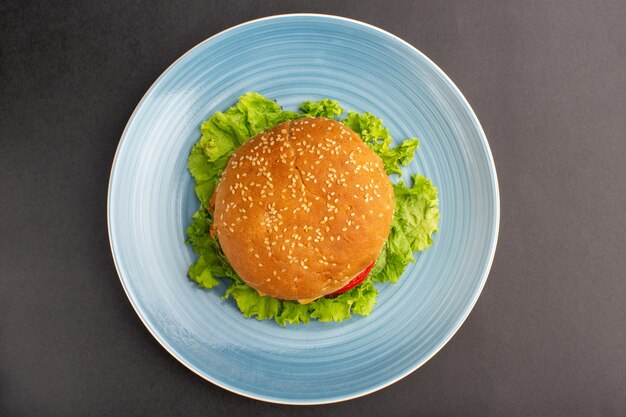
{"points": [[546, 79]]}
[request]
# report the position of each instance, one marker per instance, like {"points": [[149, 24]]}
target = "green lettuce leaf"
{"points": [[364, 298], [252, 304], [211, 263], [415, 213], [360, 300], [322, 108], [415, 220], [377, 137], [202, 272], [293, 313]]}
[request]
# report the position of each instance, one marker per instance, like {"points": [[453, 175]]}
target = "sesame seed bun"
{"points": [[303, 208]]}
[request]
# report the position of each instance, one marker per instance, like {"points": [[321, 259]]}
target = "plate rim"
{"points": [[393, 379]]}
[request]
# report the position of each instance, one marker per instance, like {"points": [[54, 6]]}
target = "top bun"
{"points": [[303, 208]]}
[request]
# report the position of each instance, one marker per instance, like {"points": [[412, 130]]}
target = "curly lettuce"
{"points": [[415, 219], [378, 139]]}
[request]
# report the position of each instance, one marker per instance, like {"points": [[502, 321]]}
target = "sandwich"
{"points": [[299, 216]]}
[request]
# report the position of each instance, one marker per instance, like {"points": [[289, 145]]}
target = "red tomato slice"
{"points": [[355, 281]]}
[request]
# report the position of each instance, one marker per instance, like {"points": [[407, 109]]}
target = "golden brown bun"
{"points": [[302, 208]]}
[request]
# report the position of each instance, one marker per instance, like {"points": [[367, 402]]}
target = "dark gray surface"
{"points": [[546, 79]]}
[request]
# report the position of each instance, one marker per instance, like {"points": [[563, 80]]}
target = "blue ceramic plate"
{"points": [[293, 58]]}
